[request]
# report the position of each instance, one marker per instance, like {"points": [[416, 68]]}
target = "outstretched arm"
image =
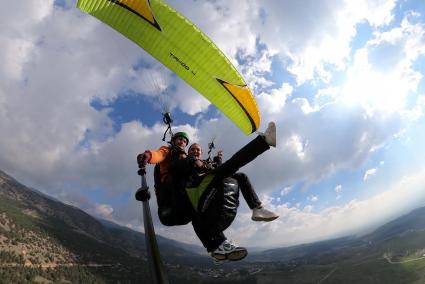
{"points": [[151, 157]]}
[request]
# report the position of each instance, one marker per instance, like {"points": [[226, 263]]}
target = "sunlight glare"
{"points": [[375, 91]]}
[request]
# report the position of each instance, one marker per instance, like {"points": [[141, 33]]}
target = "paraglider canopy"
{"points": [[182, 47]]}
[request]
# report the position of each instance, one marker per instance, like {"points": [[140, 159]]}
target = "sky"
{"points": [[343, 80]]}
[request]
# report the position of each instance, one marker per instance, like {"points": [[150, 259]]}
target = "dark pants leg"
{"points": [[209, 238], [242, 157], [247, 190]]}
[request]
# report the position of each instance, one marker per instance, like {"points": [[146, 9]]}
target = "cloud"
{"points": [[58, 62], [30, 14], [313, 198], [315, 143], [383, 73], [309, 35], [91, 74], [17, 35], [369, 173], [398, 47], [76, 199], [338, 188], [286, 191], [104, 210], [296, 225], [46, 97], [274, 101]]}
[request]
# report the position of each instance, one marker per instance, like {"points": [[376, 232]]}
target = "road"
{"points": [[409, 260], [53, 265], [326, 276]]}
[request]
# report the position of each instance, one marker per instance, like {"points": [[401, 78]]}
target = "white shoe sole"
{"points": [[233, 256], [265, 219], [270, 134], [237, 255], [219, 256]]}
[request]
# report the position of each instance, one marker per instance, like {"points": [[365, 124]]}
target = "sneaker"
{"points": [[228, 251], [262, 214], [270, 134]]}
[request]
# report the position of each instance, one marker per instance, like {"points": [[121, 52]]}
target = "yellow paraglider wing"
{"points": [[183, 48]]}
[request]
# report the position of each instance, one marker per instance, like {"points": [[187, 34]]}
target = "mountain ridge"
{"points": [[42, 239], [39, 231]]}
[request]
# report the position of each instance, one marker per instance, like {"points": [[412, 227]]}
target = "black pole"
{"points": [[154, 258]]}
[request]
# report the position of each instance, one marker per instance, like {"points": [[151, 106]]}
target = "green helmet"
{"points": [[181, 134]]}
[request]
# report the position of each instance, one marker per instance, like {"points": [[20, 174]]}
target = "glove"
{"points": [[142, 195], [143, 159]]}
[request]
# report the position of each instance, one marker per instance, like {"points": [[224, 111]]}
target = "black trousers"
{"points": [[210, 237], [247, 190]]}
